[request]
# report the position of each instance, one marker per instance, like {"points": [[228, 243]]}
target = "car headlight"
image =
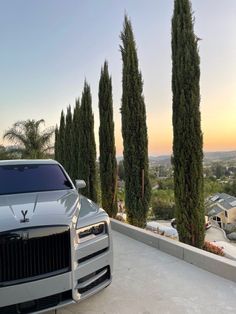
{"points": [[92, 231]]}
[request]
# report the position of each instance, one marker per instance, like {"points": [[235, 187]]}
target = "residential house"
{"points": [[221, 207]]}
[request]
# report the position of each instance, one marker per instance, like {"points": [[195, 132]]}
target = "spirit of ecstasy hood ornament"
{"points": [[24, 213]]}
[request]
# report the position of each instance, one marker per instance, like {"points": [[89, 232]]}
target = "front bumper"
{"points": [[92, 263]]}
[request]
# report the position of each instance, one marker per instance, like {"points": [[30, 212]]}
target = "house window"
{"points": [[226, 214]]}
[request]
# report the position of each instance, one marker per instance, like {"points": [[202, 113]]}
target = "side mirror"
{"points": [[80, 184]]}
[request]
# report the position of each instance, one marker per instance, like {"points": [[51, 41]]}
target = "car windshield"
{"points": [[32, 178]]}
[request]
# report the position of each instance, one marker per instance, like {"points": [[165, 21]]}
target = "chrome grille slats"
{"points": [[45, 251]]}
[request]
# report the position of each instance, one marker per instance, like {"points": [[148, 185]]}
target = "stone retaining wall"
{"points": [[218, 265]]}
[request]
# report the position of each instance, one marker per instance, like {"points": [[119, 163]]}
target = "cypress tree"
{"points": [[134, 132], [108, 164], [68, 142], [87, 146], [56, 143], [187, 142], [61, 140], [121, 170], [76, 130]]}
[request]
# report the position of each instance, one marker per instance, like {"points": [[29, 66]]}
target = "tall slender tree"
{"points": [[87, 146], [56, 143], [68, 143], [187, 143], [61, 140], [108, 164], [134, 132], [76, 131]]}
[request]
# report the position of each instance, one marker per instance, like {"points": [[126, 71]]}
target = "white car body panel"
{"points": [[91, 257]]}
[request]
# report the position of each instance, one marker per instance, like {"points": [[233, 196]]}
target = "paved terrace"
{"points": [[147, 280]]}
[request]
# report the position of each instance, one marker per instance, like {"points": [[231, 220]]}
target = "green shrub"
{"points": [[163, 206]]}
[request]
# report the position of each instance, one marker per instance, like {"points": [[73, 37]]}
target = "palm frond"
{"points": [[33, 143]]}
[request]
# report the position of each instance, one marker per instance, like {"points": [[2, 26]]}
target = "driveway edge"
{"points": [[210, 262]]}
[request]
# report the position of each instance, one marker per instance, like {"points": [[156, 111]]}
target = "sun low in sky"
{"points": [[48, 48]]}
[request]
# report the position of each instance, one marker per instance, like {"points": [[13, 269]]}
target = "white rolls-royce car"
{"points": [[55, 244]]}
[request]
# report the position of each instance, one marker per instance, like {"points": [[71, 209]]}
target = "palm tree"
{"points": [[30, 140]]}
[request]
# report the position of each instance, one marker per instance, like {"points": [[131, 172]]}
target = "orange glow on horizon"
{"points": [[219, 134]]}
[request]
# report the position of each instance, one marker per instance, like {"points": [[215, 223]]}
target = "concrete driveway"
{"points": [[148, 281], [215, 234]]}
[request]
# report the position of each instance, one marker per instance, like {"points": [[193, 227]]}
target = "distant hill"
{"points": [[161, 160], [220, 156], [208, 157]]}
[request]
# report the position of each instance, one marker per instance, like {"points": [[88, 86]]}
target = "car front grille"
{"points": [[34, 253]]}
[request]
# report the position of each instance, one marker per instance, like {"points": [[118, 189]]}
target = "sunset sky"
{"points": [[49, 47]]}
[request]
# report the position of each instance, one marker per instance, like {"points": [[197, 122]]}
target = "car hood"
{"points": [[89, 213], [43, 208]]}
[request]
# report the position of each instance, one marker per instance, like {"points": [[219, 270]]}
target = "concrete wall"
{"points": [[218, 265]]}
